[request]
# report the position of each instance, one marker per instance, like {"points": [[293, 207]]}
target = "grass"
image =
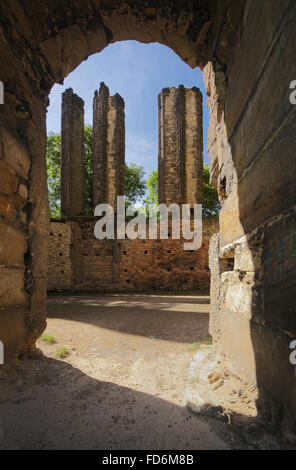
{"points": [[197, 345], [61, 353], [48, 339]]}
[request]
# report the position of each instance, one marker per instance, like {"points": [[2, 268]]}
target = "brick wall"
{"points": [[59, 260], [80, 262]]}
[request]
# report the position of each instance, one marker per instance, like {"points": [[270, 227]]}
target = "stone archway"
{"points": [[41, 46], [251, 131]]}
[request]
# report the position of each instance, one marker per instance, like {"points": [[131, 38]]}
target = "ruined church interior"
{"points": [[135, 343]]}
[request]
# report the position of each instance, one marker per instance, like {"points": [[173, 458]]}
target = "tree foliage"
{"points": [[210, 204], [53, 164], [135, 186], [152, 185]]}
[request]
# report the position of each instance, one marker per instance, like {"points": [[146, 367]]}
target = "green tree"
{"points": [[53, 163], [152, 197], [152, 185], [135, 186], [211, 204]]}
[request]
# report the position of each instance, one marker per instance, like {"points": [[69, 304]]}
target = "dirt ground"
{"points": [[122, 385]]}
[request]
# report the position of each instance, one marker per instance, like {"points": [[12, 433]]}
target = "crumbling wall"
{"points": [[39, 47], [59, 256], [251, 146], [250, 46], [24, 212], [180, 140], [124, 265], [108, 147], [72, 155]]}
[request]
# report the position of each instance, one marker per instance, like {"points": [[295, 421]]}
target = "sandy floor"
{"points": [[121, 386]]}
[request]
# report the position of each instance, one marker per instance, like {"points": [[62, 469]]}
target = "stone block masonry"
{"points": [[180, 157], [80, 262], [108, 147], [247, 52], [251, 147], [72, 155], [59, 255]]}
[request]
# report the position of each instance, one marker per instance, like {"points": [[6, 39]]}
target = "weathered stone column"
{"points": [[72, 157], [180, 158], [108, 147]]}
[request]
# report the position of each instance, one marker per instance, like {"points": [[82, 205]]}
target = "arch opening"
{"points": [[249, 294]]}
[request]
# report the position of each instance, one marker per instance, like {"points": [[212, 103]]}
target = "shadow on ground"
{"points": [[53, 405]]}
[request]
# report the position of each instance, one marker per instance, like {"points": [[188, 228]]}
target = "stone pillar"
{"points": [[72, 156], [108, 147], [180, 137]]}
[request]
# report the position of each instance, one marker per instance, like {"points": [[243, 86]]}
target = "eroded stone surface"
{"points": [[251, 145], [180, 140], [214, 385], [108, 147], [79, 261], [72, 155]]}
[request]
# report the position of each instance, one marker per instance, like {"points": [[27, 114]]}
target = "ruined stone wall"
{"points": [[250, 47], [124, 265], [24, 212], [180, 137], [14, 169], [39, 47], [59, 256], [108, 147], [72, 155], [252, 153]]}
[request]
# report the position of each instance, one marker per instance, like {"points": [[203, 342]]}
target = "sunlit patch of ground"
{"points": [[113, 376]]}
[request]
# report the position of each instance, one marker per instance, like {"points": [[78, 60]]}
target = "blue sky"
{"points": [[137, 72]]}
